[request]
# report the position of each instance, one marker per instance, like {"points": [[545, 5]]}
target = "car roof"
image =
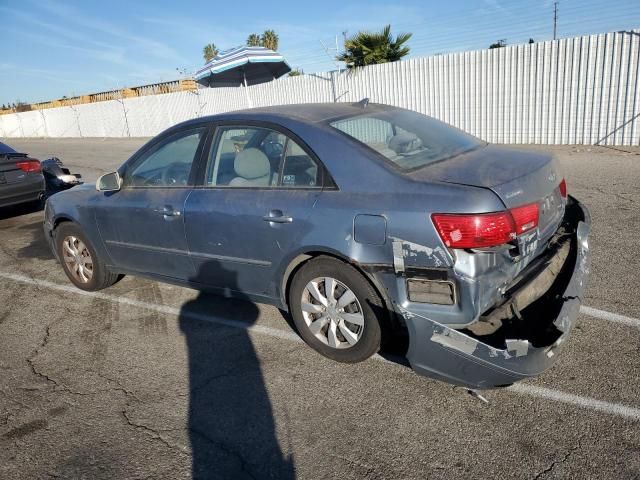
{"points": [[309, 113]]}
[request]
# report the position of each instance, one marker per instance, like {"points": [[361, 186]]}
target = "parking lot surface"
{"points": [[148, 380]]}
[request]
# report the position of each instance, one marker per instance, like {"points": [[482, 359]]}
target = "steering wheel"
{"points": [[176, 174], [273, 148]]}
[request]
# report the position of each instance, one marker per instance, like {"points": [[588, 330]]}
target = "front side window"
{"points": [[259, 157], [168, 163], [408, 139]]}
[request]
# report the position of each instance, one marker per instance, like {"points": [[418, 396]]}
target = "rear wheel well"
{"points": [[300, 260]]}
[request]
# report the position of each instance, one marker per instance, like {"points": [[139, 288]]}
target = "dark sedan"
{"points": [[360, 220], [21, 178]]}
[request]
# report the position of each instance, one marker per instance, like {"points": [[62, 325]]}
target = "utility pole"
{"points": [[327, 50], [555, 19]]}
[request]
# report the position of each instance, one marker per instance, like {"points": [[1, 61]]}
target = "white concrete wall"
{"points": [[582, 90]]}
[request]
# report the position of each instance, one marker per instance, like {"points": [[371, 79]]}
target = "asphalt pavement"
{"points": [[148, 380]]}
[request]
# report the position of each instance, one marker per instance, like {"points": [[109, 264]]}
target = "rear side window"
{"points": [[408, 139], [299, 170], [256, 157]]}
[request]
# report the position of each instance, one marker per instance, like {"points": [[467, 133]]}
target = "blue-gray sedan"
{"points": [[359, 219]]}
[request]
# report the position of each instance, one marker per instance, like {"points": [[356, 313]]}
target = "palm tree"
{"points": [[209, 51], [269, 40], [253, 40], [296, 72], [370, 48]]}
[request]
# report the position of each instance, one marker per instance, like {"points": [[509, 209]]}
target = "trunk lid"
{"points": [[9, 171], [518, 177]]}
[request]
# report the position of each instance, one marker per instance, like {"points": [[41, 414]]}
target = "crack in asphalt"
{"points": [[153, 433], [157, 433], [40, 373], [31, 359], [224, 448], [553, 464], [118, 388], [368, 471]]}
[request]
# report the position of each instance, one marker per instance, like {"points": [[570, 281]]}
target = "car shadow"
{"points": [[38, 247], [231, 423], [20, 210]]}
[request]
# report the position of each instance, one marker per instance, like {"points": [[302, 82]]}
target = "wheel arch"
{"points": [[61, 219], [303, 257], [92, 233]]}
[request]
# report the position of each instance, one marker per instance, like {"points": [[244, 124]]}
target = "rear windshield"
{"points": [[408, 139], [5, 149]]}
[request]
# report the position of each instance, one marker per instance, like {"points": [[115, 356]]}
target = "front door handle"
{"points": [[276, 216], [168, 212]]}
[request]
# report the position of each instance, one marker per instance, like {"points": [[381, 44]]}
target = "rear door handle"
{"points": [[276, 216]]}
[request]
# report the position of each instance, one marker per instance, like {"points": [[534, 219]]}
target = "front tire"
{"points": [[336, 310], [79, 259]]}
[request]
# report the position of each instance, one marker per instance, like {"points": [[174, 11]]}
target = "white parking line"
{"points": [[611, 317], [520, 388], [586, 402]]}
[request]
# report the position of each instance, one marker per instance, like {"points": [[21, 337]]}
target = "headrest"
{"points": [[251, 163], [228, 146], [404, 142]]}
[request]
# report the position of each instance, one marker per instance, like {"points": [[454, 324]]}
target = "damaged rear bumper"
{"points": [[522, 348]]}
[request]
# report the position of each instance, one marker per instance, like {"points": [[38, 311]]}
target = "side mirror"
{"points": [[109, 182]]}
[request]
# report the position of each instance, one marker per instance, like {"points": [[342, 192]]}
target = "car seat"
{"points": [[252, 168]]}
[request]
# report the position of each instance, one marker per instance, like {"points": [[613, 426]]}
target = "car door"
{"points": [[258, 191], [142, 224]]}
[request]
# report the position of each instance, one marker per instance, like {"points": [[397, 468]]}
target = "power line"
{"points": [[453, 20], [438, 42], [484, 28], [437, 45]]}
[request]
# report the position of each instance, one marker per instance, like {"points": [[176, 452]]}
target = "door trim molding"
{"points": [[175, 251], [138, 246], [250, 261]]}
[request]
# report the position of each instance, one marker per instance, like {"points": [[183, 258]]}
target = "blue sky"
{"points": [[51, 48]]}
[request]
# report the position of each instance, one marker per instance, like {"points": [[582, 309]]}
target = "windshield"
{"points": [[408, 139], [6, 149]]}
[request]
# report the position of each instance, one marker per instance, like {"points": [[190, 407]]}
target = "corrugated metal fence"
{"points": [[582, 90]]}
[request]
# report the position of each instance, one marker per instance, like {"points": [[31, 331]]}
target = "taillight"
{"points": [[525, 217], [29, 165], [476, 230], [563, 188], [480, 230]]}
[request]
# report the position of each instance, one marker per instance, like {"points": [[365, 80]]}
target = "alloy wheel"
{"points": [[77, 259], [332, 312]]}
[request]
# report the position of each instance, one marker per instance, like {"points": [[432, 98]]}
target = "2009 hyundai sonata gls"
{"points": [[358, 219]]}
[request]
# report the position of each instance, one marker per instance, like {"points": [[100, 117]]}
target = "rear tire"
{"points": [[79, 259], [345, 326]]}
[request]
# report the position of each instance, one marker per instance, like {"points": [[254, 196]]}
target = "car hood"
{"points": [[85, 186]]}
